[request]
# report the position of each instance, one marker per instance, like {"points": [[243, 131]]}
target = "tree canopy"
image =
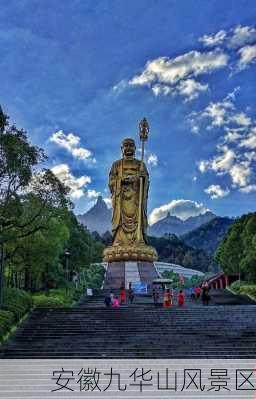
{"points": [[37, 224], [237, 252]]}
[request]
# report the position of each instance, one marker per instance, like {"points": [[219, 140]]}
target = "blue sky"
{"points": [[80, 75]]}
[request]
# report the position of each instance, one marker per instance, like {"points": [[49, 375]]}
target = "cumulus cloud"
{"points": [[248, 189], [180, 208], [239, 133], [108, 202], [214, 40], [215, 191], [177, 75], [77, 185], [250, 140], [220, 163], [71, 143], [91, 193], [247, 55], [153, 159], [242, 35], [236, 37]]}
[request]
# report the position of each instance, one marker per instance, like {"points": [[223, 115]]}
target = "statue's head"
{"points": [[128, 148]]}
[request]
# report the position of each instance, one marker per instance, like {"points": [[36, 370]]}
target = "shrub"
{"points": [[248, 290], [6, 321], [236, 286], [43, 301], [17, 301]]}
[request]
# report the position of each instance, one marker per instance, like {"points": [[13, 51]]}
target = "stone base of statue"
{"points": [[132, 252], [126, 272]]}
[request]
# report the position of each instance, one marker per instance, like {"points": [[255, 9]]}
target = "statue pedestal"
{"points": [[129, 272], [137, 252]]}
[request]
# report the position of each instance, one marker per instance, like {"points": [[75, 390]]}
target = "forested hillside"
{"points": [[209, 235], [174, 250]]}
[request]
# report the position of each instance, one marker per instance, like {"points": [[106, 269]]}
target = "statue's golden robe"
{"points": [[124, 185]]}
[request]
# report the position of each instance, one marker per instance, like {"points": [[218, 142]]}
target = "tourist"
{"points": [[122, 294], [112, 296], [192, 292], [197, 292], [205, 295], [107, 301], [167, 299], [116, 303], [130, 294], [155, 295], [181, 298]]}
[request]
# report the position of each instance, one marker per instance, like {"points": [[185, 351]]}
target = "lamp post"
{"points": [[67, 255]]}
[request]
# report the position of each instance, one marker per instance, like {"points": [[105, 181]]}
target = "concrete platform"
{"points": [[118, 273]]}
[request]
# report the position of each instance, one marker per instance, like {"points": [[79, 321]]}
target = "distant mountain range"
{"points": [[208, 236], [98, 218], [204, 231], [174, 225]]}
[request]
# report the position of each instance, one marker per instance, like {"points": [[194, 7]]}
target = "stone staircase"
{"points": [[138, 331]]}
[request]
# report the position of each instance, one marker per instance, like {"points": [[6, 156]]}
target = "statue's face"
{"points": [[128, 149]]}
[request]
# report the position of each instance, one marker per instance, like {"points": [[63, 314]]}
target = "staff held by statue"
{"points": [[143, 130]]}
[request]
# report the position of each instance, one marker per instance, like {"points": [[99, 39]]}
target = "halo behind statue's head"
{"points": [[128, 141]]}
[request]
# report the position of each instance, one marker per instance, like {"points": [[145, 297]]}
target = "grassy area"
{"points": [[244, 288]]}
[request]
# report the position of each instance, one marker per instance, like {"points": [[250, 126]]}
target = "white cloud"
{"points": [[215, 191], [248, 189], [247, 55], [240, 173], [233, 135], [190, 88], [220, 163], [153, 159], [180, 208], [76, 184], [176, 75], [108, 202], [91, 193], [214, 40], [71, 143], [234, 38], [242, 35], [240, 119], [218, 112], [250, 140]]}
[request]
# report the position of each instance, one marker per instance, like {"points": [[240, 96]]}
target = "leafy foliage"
{"points": [[7, 320], [37, 224], [174, 250], [237, 252], [17, 301], [208, 236]]}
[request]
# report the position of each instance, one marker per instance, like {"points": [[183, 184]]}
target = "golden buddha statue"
{"points": [[128, 184]]}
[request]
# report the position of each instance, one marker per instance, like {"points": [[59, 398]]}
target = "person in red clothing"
{"points": [[198, 292], [122, 294], [167, 299], [181, 298]]}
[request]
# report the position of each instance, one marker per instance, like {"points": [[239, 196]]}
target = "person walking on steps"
{"points": [[205, 295], [155, 295], [130, 294], [167, 299], [181, 298], [122, 294]]}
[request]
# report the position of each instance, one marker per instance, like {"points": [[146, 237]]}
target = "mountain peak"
{"points": [[98, 218], [173, 224]]}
